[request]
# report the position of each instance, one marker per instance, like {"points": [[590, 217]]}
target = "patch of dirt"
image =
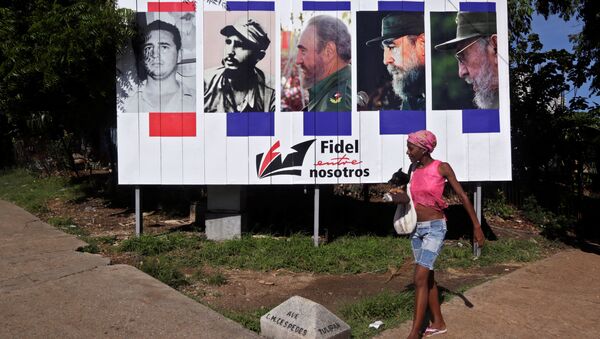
{"points": [[249, 290]]}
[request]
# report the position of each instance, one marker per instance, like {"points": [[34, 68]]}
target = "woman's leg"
{"points": [[421, 280], [437, 320]]}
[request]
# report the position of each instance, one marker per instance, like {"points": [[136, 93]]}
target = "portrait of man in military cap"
{"points": [[238, 84], [391, 63], [473, 46]]}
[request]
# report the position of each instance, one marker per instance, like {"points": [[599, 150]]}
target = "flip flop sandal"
{"points": [[430, 332]]}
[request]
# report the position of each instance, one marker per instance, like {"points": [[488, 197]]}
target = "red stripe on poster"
{"points": [[179, 124], [185, 6]]}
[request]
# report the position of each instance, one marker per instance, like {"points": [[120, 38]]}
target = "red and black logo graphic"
{"points": [[270, 164]]}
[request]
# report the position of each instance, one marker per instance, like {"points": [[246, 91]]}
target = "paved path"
{"points": [[48, 289], [558, 297]]}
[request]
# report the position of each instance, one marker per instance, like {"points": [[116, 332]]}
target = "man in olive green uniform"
{"points": [[403, 42], [324, 55]]}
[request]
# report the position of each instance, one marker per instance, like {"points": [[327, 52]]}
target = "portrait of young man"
{"points": [[391, 64], [473, 46], [238, 84], [160, 86]]}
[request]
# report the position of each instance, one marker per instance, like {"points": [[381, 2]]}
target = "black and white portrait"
{"points": [[240, 62], [156, 73]]}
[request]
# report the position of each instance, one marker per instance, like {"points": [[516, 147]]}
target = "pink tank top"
{"points": [[427, 186]]}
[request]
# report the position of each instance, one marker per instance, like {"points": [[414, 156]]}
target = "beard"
{"points": [[309, 74], [405, 82], [486, 84], [235, 70]]}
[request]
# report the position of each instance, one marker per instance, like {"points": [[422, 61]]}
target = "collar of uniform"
{"points": [[341, 75]]}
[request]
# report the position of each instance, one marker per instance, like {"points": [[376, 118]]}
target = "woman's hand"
{"points": [[478, 236], [399, 196]]}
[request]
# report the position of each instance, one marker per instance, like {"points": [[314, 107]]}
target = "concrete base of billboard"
{"points": [[225, 217], [222, 226]]}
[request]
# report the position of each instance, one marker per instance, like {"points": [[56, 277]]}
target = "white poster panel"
{"points": [[311, 92]]}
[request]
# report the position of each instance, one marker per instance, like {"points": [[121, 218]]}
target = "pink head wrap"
{"points": [[423, 139]]}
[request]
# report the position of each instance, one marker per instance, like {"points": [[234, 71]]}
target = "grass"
{"points": [[168, 255], [32, 193], [162, 269], [389, 307], [494, 252], [346, 255], [250, 319]]}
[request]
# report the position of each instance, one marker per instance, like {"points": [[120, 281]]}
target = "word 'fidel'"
{"points": [[341, 162], [288, 325]]}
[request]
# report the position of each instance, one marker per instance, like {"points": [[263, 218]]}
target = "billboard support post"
{"points": [[139, 217], [316, 221], [477, 201], [477, 204]]}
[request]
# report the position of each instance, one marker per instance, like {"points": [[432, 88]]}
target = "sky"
{"points": [[554, 34]]}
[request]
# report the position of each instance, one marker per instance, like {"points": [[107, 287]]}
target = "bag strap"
{"points": [[410, 170]]}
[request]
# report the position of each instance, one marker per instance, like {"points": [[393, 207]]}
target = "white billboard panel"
{"points": [[311, 92]]}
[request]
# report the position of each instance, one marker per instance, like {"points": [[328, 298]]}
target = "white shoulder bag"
{"points": [[405, 218]]}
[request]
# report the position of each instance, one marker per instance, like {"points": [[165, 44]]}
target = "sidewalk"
{"points": [[558, 297], [47, 289]]}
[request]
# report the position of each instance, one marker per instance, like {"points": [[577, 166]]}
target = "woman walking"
{"points": [[427, 183]]}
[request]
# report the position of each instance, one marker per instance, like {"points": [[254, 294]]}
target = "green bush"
{"points": [[552, 224], [498, 206]]}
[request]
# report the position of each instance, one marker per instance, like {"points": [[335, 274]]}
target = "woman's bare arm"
{"points": [[447, 172]]}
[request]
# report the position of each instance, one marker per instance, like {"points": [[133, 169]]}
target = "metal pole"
{"points": [[478, 210], [139, 217], [316, 221], [477, 204]]}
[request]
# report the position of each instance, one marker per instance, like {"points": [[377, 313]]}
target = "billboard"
{"points": [[311, 92]]}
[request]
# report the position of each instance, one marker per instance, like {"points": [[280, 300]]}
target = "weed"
{"points": [[250, 319], [154, 245], [494, 252], [90, 248], [67, 225], [162, 269], [217, 279], [389, 307]]}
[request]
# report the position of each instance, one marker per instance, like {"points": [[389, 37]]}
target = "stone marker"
{"points": [[299, 317]]}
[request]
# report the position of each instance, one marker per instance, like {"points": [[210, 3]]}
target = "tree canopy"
{"points": [[57, 64]]}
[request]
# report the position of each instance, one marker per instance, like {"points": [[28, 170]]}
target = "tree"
{"points": [[57, 62], [555, 143]]}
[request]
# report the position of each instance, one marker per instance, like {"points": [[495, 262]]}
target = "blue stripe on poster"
{"points": [[250, 5], [477, 6], [406, 6], [251, 124], [401, 122], [481, 121], [325, 5], [327, 123]]}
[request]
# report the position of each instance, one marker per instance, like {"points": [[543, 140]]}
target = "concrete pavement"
{"points": [[558, 297], [48, 289]]}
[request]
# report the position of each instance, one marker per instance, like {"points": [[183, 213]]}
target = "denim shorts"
{"points": [[427, 240]]}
